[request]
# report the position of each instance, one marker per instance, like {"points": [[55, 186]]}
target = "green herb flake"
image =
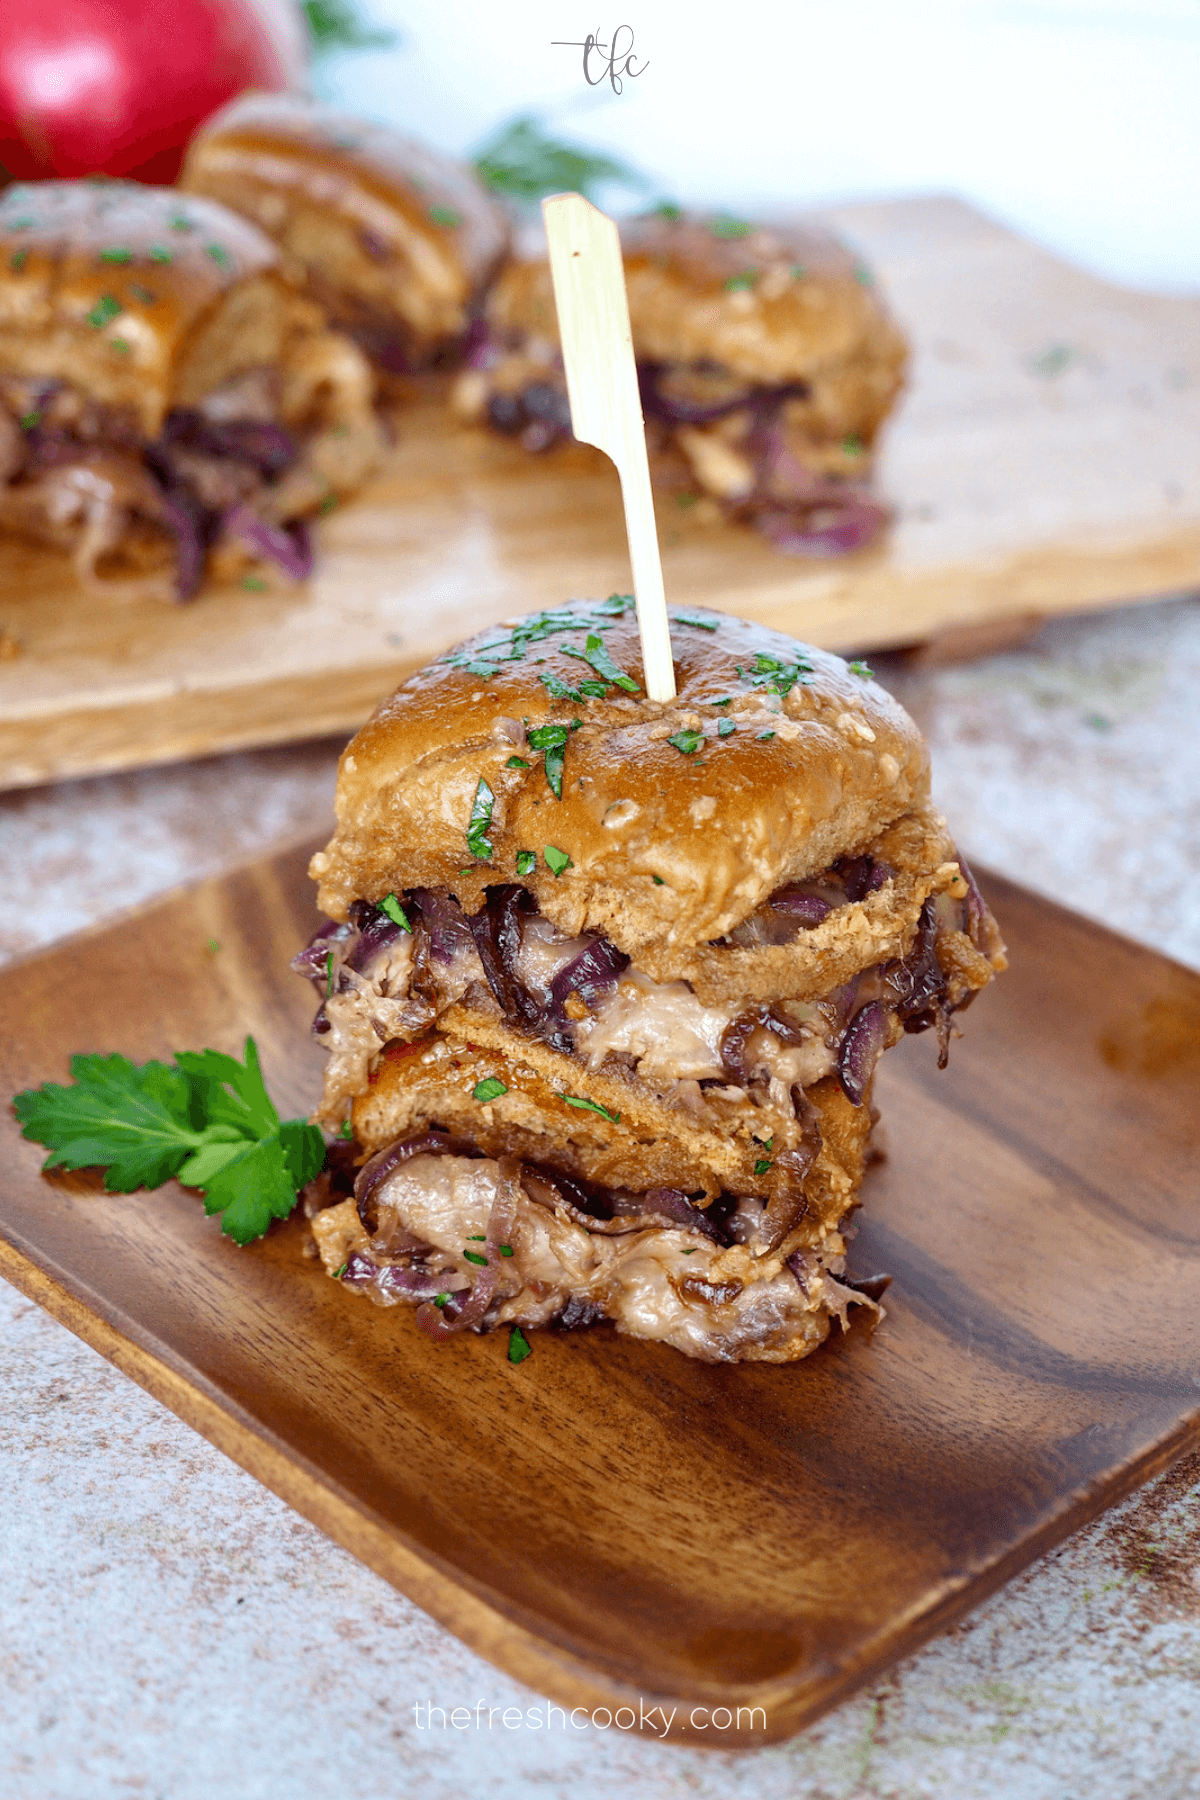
{"points": [[338, 1273], [206, 1120], [725, 700], [213, 946], [582, 1105], [741, 284], [726, 728], [17, 261], [505, 1249], [488, 1089], [658, 881], [478, 842], [764, 734], [519, 1346], [863, 669], [116, 256], [595, 653], [526, 862], [219, 255], [727, 227], [557, 860], [106, 309], [121, 344], [517, 762], [690, 1252], [697, 621], [327, 505], [254, 584], [473, 1256], [686, 500], [29, 420], [852, 446], [329, 974], [864, 276], [687, 742], [798, 271], [346, 1131], [395, 912], [23, 224], [440, 1300], [552, 739], [779, 677], [761, 1167], [445, 215], [558, 690], [160, 254], [180, 222], [667, 209]]}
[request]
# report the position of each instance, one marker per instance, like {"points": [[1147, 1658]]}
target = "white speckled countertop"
{"points": [[171, 1631]]}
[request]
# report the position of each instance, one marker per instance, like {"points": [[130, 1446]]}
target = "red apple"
{"points": [[117, 87]]}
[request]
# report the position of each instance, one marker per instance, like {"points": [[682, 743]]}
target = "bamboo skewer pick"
{"points": [[606, 410]]}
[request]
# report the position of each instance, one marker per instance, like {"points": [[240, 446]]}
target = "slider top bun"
{"points": [[141, 297], [668, 846], [380, 225]]}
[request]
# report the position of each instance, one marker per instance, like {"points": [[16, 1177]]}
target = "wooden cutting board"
{"points": [[1045, 458], [610, 1521]]}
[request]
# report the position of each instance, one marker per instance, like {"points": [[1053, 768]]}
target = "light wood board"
{"points": [[611, 1521], [1045, 458]]}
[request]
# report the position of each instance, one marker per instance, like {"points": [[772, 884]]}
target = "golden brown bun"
{"points": [[667, 848], [396, 240], [140, 297]]}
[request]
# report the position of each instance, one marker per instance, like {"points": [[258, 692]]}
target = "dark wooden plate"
{"points": [[610, 1521]]}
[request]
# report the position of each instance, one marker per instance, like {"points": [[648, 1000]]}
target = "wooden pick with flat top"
{"points": [[606, 410]]}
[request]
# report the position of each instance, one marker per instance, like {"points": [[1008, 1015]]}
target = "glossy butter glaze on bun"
{"points": [[611, 977], [396, 240]]}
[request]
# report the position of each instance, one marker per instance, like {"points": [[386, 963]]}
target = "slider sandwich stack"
{"points": [[606, 980]]}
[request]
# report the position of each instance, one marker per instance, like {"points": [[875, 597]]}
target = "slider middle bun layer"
{"points": [[669, 848]]}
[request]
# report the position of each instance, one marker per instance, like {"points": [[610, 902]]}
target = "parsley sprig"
{"points": [[206, 1120]]}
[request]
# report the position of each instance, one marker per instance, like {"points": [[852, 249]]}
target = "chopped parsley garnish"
{"points": [[591, 1106], [254, 584], [22, 224], [519, 1346], [17, 261], [116, 256], [477, 1237], [725, 700], [29, 420], [765, 734], [159, 254], [526, 862], [742, 284], [667, 209], [207, 1120], [558, 690], [552, 739], [658, 881], [686, 500], [780, 677], [798, 271], [687, 742], [863, 669], [219, 255], [445, 215], [347, 1130], [213, 946], [473, 1256], [395, 912], [329, 974], [478, 842], [766, 1142], [517, 762], [106, 308], [852, 446], [180, 223], [441, 1299], [595, 653], [726, 728], [505, 1249], [557, 860], [328, 503], [762, 1165], [863, 275], [727, 227], [696, 620], [489, 1089], [121, 344], [338, 1273]]}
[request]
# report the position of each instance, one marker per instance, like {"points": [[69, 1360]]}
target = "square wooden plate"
{"points": [[610, 1521], [1045, 457]]}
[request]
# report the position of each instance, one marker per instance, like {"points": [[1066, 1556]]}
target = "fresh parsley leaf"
{"points": [[106, 309], [779, 677], [523, 161], [558, 690], [335, 25], [445, 215], [526, 862], [505, 1249], [488, 1089], [726, 227], [395, 912], [116, 256], [557, 860], [338, 1273], [553, 740], [591, 1106], [863, 669], [762, 1165], [658, 881], [478, 842], [519, 1346], [473, 1256], [517, 762], [696, 620], [595, 653], [726, 728], [765, 734], [346, 1130], [742, 284], [687, 742], [208, 1121]]}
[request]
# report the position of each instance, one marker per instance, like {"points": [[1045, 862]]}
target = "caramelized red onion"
{"points": [[313, 960], [445, 922], [861, 1049], [435, 1320], [386, 1161], [376, 933], [288, 546], [737, 1035], [589, 974]]}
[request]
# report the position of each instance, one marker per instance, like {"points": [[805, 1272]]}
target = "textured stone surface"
{"points": [[170, 1629]]}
